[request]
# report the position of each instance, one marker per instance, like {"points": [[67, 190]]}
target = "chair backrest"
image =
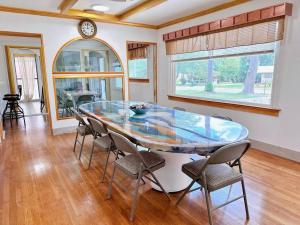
{"points": [[98, 128], [222, 117], [78, 117], [85, 98], [20, 90], [179, 108], [229, 153], [122, 143]]}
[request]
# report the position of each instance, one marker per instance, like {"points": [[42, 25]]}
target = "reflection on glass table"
{"points": [[74, 92]]}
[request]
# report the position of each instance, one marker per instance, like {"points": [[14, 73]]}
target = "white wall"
{"points": [[57, 32], [12, 41], [282, 131]]}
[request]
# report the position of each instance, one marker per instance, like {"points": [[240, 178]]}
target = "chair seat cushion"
{"points": [[83, 129], [221, 175], [131, 163], [194, 169], [103, 142], [217, 175]]}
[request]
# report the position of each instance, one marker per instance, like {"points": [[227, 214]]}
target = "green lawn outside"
{"points": [[221, 91], [215, 95]]}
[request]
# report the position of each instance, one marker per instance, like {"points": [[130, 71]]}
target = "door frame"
{"points": [[155, 83], [42, 62]]}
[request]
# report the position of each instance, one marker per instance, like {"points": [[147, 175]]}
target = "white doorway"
{"points": [[27, 78]]}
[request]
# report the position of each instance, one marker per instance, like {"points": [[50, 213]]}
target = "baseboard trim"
{"points": [[64, 130], [276, 150]]}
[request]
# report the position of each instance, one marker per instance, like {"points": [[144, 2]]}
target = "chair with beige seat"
{"points": [[102, 140], [82, 129], [136, 164], [214, 173]]}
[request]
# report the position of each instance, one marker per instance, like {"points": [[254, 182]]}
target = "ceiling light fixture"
{"points": [[99, 8], [121, 0]]}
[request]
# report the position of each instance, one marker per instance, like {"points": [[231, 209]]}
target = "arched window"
{"points": [[86, 70], [87, 55]]}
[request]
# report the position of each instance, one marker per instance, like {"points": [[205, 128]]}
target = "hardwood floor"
{"points": [[42, 182]]}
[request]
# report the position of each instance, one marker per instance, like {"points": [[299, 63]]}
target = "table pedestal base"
{"points": [[171, 177]]}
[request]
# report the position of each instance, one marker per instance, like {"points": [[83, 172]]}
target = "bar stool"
{"points": [[12, 109]]}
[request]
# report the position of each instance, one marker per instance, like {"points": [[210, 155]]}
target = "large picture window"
{"points": [[241, 74]]}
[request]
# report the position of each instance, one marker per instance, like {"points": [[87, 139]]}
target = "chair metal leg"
{"points": [[91, 156], [81, 148], [111, 183], [105, 167], [159, 184], [10, 116], [75, 142], [208, 204], [229, 192], [207, 198], [135, 196], [185, 192], [245, 199]]}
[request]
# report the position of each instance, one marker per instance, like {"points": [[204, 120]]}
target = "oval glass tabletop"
{"points": [[164, 128]]}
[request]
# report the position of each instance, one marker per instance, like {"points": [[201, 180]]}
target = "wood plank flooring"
{"points": [[43, 183]]}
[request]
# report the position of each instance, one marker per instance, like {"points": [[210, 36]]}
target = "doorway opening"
{"points": [[27, 78], [23, 81], [27, 70]]}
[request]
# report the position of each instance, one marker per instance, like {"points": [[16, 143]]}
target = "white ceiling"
{"points": [[44, 5], [169, 10], [115, 7], [173, 9]]}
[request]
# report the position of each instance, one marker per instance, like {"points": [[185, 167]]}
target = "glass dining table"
{"points": [[175, 135]]}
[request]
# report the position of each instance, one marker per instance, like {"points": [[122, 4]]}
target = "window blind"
{"points": [[260, 33], [138, 53]]}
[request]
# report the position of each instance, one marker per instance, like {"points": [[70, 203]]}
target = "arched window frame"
{"points": [[65, 75]]}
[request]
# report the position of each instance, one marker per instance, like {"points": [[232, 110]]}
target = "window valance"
{"points": [[137, 51], [256, 27]]}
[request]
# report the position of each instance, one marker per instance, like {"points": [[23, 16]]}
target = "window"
{"points": [[240, 74], [27, 76], [73, 92], [87, 56], [86, 70], [138, 68]]}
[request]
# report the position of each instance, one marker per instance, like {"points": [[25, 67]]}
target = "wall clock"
{"points": [[87, 28]]}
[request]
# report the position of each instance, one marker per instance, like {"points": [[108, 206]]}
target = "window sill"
{"points": [[227, 105], [139, 80]]}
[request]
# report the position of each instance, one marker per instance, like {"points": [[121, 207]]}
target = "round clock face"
{"points": [[87, 28]]}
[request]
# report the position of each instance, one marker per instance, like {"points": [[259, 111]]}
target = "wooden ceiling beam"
{"points": [[75, 15], [140, 8], [65, 5], [204, 12], [108, 18]]}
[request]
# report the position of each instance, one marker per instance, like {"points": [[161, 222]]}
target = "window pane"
{"points": [[245, 78], [73, 92], [36, 94], [138, 68], [87, 56]]}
